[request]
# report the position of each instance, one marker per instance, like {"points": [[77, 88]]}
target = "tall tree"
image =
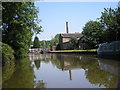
{"points": [[110, 19], [36, 43], [92, 33], [19, 22], [55, 40]]}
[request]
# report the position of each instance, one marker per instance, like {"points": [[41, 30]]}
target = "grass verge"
{"points": [[91, 50]]}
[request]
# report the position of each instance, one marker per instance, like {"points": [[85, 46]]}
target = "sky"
{"points": [[53, 16]]}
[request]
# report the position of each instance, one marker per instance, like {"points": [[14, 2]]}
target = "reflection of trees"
{"points": [[7, 70], [23, 77], [8, 64], [93, 71], [100, 77], [62, 61], [45, 60], [37, 63], [39, 84], [96, 75], [91, 66], [55, 61]]}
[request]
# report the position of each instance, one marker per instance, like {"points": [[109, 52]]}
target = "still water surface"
{"points": [[62, 71]]}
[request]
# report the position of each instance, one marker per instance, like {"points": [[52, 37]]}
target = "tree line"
{"points": [[46, 43], [104, 29]]}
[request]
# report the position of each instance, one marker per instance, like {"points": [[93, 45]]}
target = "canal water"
{"points": [[61, 71]]}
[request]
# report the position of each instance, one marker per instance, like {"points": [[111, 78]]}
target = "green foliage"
{"points": [[106, 30], [55, 40], [58, 47], [36, 43], [110, 19], [41, 44], [19, 21], [92, 33], [45, 44], [7, 61], [73, 42], [7, 52]]}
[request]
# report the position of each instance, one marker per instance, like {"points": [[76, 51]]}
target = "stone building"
{"points": [[64, 38]]}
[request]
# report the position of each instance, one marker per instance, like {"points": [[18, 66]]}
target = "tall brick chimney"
{"points": [[67, 31]]}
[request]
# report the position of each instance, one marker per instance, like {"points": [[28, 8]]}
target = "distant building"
{"points": [[64, 39]]}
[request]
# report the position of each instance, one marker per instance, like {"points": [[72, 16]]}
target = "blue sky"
{"points": [[55, 14]]}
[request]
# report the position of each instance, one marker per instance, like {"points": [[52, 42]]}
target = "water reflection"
{"points": [[109, 66], [98, 71], [23, 77], [64, 71], [7, 70], [37, 63]]}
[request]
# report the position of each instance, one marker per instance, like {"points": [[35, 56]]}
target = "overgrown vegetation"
{"points": [[93, 33], [19, 23], [7, 61], [45, 44], [7, 53], [55, 42]]}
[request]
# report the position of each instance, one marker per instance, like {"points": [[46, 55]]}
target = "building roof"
{"points": [[71, 35]]}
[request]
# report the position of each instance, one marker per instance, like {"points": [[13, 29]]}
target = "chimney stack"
{"points": [[67, 27]]}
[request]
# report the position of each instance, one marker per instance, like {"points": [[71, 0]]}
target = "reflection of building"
{"points": [[35, 50], [66, 65], [33, 57], [70, 73]]}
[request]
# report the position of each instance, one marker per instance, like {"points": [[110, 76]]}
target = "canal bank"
{"points": [[92, 51]]}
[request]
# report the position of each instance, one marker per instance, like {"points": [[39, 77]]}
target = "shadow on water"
{"points": [[98, 72]]}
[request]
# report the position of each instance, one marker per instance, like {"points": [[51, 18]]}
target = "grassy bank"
{"points": [[75, 51]]}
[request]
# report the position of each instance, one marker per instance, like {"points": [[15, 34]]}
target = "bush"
{"points": [[7, 52], [7, 61]]}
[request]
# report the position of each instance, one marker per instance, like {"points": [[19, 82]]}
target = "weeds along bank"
{"points": [[8, 63]]}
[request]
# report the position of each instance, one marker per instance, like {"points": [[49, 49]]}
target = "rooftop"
{"points": [[69, 35]]}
